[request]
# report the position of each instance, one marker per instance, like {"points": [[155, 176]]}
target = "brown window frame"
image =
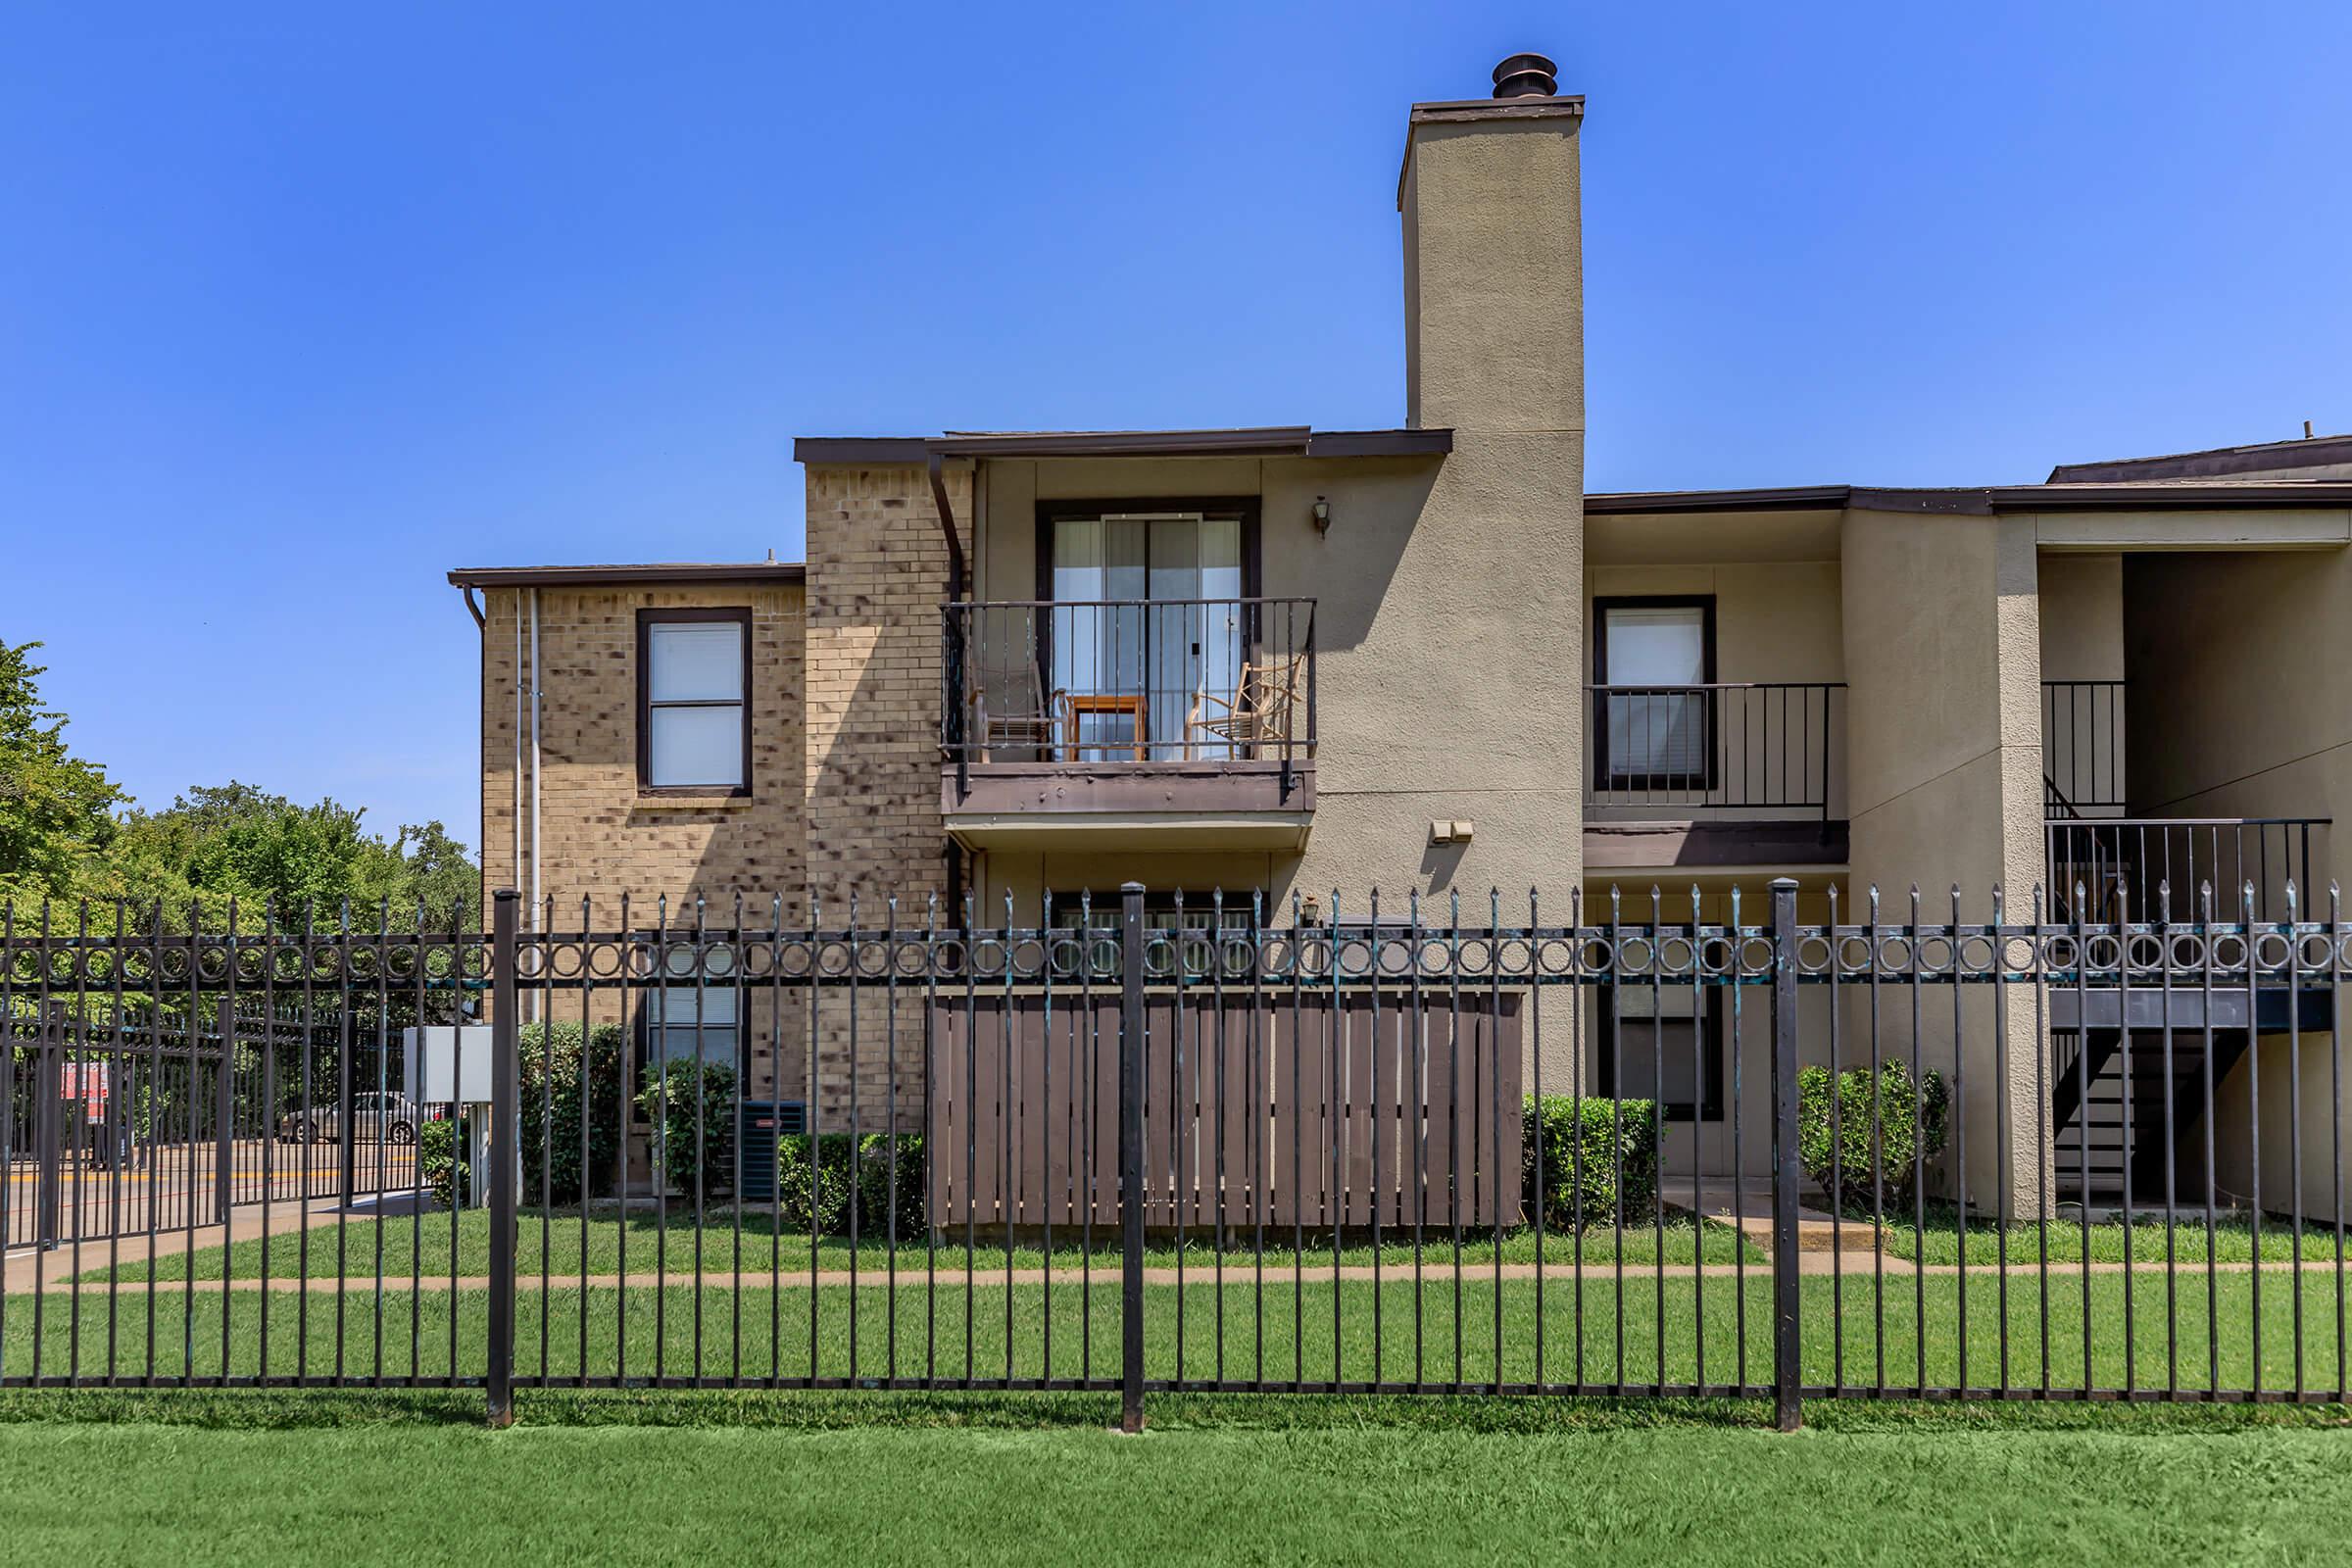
{"points": [[1615, 1031], [1248, 511], [1703, 780], [647, 620]]}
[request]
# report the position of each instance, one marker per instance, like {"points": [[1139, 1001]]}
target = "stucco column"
{"points": [[1943, 629], [1466, 685]]}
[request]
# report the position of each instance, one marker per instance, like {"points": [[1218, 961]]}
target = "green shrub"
{"points": [[1596, 1153], [1880, 1131], [441, 1162], [874, 1216], [821, 1183], [830, 1183], [550, 1059], [672, 1101]]}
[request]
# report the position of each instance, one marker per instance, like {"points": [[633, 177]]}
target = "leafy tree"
{"points": [[55, 809], [61, 838], [216, 844]]}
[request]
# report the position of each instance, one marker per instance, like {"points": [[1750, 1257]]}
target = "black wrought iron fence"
{"points": [[1711, 1146]]}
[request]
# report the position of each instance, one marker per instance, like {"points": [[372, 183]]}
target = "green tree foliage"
{"points": [[69, 832], [235, 842], [56, 809]]}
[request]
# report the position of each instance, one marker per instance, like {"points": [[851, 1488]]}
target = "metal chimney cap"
{"points": [[1527, 77]]}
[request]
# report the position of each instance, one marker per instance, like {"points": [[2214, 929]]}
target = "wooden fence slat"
{"points": [[1305, 1079]]}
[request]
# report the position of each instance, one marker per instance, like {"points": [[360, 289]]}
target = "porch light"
{"points": [[1322, 511]]}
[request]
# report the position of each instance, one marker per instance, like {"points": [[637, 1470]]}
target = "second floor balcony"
{"points": [[1719, 774], [1184, 722]]}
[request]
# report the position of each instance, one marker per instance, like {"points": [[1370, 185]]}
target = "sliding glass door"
{"points": [[1146, 617]]}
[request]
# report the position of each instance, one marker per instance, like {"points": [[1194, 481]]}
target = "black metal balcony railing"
{"points": [[2083, 747], [1130, 680], [1738, 745], [2138, 870]]}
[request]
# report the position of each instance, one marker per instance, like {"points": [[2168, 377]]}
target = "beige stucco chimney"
{"points": [[1459, 701], [1494, 257]]}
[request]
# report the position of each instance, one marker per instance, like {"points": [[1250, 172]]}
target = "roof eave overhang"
{"points": [[1983, 501], [1273, 441], [652, 572]]}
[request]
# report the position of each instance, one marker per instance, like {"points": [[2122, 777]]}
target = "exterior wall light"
{"points": [[1322, 511]]}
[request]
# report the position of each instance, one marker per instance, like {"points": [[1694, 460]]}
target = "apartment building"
{"points": [[1019, 668]]}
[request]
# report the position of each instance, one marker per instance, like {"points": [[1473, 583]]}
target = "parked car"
{"points": [[376, 1117]]}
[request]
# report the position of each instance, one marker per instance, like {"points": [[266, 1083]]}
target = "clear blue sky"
{"points": [[301, 306]]}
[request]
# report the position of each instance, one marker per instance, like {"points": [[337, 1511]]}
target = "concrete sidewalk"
{"points": [[1826, 1242]]}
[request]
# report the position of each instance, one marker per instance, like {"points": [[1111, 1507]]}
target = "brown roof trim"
{"points": [[2211, 463], [856, 449], [1378, 443], [1265, 441], [1261, 441], [666, 571], [1984, 501], [1566, 106], [1798, 498], [2173, 496]]}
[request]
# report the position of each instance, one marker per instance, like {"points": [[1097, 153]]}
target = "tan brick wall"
{"points": [[877, 575], [598, 838], [845, 716]]}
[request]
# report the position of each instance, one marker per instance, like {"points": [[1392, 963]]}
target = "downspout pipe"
{"points": [[955, 592], [517, 862], [538, 694], [947, 526]]}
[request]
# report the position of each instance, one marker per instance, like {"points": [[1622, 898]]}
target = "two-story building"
{"points": [[1303, 665]]}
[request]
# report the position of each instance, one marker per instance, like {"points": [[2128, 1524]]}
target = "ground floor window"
{"points": [[1664, 1042], [677, 1023]]}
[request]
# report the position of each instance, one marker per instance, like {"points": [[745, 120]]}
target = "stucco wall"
{"points": [[2241, 700], [1775, 621], [1945, 771], [2082, 616], [2255, 1150]]}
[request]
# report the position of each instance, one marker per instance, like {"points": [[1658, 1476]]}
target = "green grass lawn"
{"points": [[1442, 1486], [562, 1244], [2232, 1239], [1675, 1329]]}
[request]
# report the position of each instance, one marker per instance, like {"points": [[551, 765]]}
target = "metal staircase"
{"points": [[2113, 1136]]}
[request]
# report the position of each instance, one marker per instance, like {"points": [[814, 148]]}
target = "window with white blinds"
{"points": [[693, 729], [1660, 737]]}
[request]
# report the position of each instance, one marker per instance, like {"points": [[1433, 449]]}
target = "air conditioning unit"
{"points": [[759, 1124]]}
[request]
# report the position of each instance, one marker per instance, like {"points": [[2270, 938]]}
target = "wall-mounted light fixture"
{"points": [[1322, 511]]}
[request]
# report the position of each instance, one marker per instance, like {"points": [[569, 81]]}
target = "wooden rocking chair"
{"points": [[1261, 715]]}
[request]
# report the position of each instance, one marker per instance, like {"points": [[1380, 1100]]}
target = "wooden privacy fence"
{"points": [[1280, 1111]]}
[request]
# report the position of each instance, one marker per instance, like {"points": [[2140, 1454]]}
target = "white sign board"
{"points": [[444, 1064]]}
